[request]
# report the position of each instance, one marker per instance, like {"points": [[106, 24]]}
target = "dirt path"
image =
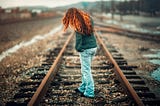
{"points": [[14, 33]]}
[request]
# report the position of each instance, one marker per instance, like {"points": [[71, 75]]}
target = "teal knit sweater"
{"points": [[85, 42]]}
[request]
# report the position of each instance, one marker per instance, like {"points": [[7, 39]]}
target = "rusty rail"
{"points": [[119, 72], [115, 29], [35, 100]]}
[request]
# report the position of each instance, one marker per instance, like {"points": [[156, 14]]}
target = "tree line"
{"points": [[138, 7], [151, 7]]}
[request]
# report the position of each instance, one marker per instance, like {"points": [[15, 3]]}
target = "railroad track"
{"points": [[127, 32], [116, 83]]}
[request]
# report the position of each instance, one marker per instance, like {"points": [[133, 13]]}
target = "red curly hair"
{"points": [[79, 20]]}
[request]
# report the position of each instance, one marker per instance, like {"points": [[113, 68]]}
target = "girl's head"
{"points": [[78, 20]]}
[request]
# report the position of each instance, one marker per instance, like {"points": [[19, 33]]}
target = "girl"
{"points": [[86, 45]]}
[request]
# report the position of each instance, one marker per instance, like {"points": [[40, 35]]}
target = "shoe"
{"points": [[82, 95], [77, 91]]}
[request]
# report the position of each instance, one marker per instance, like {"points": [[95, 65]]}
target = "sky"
{"points": [[48, 3]]}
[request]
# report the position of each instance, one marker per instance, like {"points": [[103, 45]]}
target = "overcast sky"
{"points": [[49, 3]]}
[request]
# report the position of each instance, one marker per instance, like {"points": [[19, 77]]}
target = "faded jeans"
{"points": [[87, 85]]}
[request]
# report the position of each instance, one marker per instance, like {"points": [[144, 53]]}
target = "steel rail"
{"points": [[120, 29], [115, 29], [106, 29], [122, 78], [42, 89]]}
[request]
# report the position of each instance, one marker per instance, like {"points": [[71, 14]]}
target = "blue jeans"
{"points": [[87, 85]]}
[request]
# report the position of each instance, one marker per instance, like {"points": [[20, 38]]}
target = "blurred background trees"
{"points": [[129, 7], [124, 7], [138, 7]]}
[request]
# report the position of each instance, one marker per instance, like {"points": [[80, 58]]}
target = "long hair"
{"points": [[79, 20]]}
